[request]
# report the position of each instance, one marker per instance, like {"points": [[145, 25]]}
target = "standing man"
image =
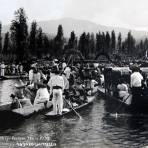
{"points": [[2, 69], [136, 83], [56, 84]]}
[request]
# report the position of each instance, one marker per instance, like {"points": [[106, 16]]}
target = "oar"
{"points": [[73, 109], [117, 109]]}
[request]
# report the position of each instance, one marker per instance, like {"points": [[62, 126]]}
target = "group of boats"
{"points": [[15, 76], [28, 111], [109, 93]]}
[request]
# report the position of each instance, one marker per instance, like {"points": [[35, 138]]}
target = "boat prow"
{"points": [[27, 111]]}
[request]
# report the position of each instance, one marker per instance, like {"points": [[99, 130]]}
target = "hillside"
{"points": [[79, 26]]}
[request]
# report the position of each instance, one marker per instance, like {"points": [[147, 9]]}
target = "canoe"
{"points": [[28, 111], [6, 77], [66, 111], [114, 104]]}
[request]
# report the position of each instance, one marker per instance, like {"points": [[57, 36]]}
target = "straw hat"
{"points": [[135, 67]]}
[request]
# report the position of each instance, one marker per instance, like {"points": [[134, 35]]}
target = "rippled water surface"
{"points": [[96, 129]]}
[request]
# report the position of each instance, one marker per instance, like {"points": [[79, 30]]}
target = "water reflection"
{"points": [[6, 88]]}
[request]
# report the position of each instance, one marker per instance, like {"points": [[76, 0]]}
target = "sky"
{"points": [[132, 14]]}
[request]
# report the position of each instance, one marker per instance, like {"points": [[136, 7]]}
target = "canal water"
{"points": [[96, 129]]}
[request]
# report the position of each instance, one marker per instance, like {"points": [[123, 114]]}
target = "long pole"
{"points": [[73, 109]]}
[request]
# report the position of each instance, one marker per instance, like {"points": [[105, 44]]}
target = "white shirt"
{"points": [[2, 66], [93, 82], [67, 71], [31, 74], [41, 95], [56, 80], [36, 77], [136, 79], [66, 82]]}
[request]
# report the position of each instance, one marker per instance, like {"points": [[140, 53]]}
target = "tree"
{"points": [[59, 41], [6, 46], [72, 40], [130, 44], [19, 33], [113, 41], [46, 45], [119, 44], [92, 45], [107, 41], [98, 42], [0, 37], [82, 44], [39, 42], [32, 37]]}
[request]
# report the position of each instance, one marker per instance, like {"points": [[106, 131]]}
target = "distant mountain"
{"points": [[79, 26]]}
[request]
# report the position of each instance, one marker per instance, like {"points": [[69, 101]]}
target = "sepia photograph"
{"points": [[73, 73]]}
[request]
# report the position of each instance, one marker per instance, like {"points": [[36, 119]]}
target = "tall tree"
{"points": [[92, 45], [59, 41], [6, 47], [72, 40], [119, 44], [98, 42], [130, 44], [82, 44], [46, 45], [113, 41], [39, 42], [87, 46], [0, 37], [19, 33], [32, 37], [107, 40]]}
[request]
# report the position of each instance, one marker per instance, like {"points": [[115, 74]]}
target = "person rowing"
{"points": [[56, 84]]}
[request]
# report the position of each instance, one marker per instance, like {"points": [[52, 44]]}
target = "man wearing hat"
{"points": [[136, 82], [56, 84], [19, 94]]}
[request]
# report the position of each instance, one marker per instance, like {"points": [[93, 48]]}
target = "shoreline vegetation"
{"points": [[22, 44]]}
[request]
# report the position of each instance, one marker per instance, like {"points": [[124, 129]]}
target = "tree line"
{"points": [[20, 43]]}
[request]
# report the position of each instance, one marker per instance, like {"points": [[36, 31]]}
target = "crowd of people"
{"points": [[10, 69], [59, 82]]}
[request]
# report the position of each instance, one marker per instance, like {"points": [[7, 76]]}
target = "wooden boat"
{"points": [[115, 104], [6, 77], [28, 111], [66, 111]]}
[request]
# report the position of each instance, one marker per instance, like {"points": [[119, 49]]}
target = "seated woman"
{"points": [[15, 102], [93, 85], [80, 94], [42, 95], [19, 94], [123, 91]]}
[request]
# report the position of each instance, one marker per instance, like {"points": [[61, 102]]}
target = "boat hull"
{"points": [[90, 99], [28, 111], [114, 104]]}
